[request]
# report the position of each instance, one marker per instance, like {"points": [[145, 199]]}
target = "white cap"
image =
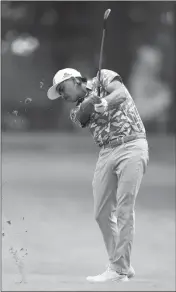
{"points": [[59, 77]]}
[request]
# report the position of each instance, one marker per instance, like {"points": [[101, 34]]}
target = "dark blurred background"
{"points": [[39, 38], [48, 163]]}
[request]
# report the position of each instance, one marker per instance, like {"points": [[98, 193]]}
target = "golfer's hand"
{"points": [[101, 107], [87, 106], [90, 101]]}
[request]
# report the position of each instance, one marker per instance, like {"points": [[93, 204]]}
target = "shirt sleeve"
{"points": [[107, 76], [79, 119]]}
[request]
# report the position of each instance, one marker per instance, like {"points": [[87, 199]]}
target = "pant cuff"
{"points": [[118, 269]]}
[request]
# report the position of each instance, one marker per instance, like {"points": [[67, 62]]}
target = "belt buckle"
{"points": [[121, 140], [111, 144]]}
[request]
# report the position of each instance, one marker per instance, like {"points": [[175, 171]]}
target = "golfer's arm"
{"points": [[116, 94], [80, 117]]}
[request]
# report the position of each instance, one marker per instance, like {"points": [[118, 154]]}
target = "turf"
{"points": [[46, 178]]}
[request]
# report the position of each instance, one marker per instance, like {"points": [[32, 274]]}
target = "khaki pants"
{"points": [[116, 182]]}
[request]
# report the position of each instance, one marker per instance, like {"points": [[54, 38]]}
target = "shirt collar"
{"points": [[89, 84], [89, 87]]}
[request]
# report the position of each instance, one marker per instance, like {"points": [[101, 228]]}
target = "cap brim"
{"points": [[52, 93]]}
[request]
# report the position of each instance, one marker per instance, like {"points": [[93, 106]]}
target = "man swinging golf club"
{"points": [[105, 106]]}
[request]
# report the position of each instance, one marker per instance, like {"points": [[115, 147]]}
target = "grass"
{"points": [[47, 180]]}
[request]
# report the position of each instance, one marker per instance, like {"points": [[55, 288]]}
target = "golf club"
{"points": [[106, 15]]}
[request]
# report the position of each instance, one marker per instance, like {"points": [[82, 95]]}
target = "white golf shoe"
{"points": [[108, 275]]}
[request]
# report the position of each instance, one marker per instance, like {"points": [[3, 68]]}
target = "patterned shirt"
{"points": [[123, 120]]}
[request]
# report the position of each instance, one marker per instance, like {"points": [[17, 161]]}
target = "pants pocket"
{"points": [[137, 144]]}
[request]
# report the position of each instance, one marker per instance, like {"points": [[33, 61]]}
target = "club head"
{"points": [[106, 14]]}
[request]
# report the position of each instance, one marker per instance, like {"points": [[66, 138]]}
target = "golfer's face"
{"points": [[68, 90]]}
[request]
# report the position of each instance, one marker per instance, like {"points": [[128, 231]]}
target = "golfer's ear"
{"points": [[115, 84]]}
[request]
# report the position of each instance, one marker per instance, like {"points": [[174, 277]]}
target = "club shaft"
{"points": [[101, 60]]}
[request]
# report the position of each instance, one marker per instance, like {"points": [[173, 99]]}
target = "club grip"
{"points": [[98, 90]]}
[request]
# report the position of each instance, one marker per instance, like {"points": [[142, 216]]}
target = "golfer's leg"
{"points": [[130, 177], [104, 190]]}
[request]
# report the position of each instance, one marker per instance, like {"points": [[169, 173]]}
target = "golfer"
{"points": [[118, 131]]}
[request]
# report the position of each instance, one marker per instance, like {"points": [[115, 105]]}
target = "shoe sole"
{"points": [[124, 279]]}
